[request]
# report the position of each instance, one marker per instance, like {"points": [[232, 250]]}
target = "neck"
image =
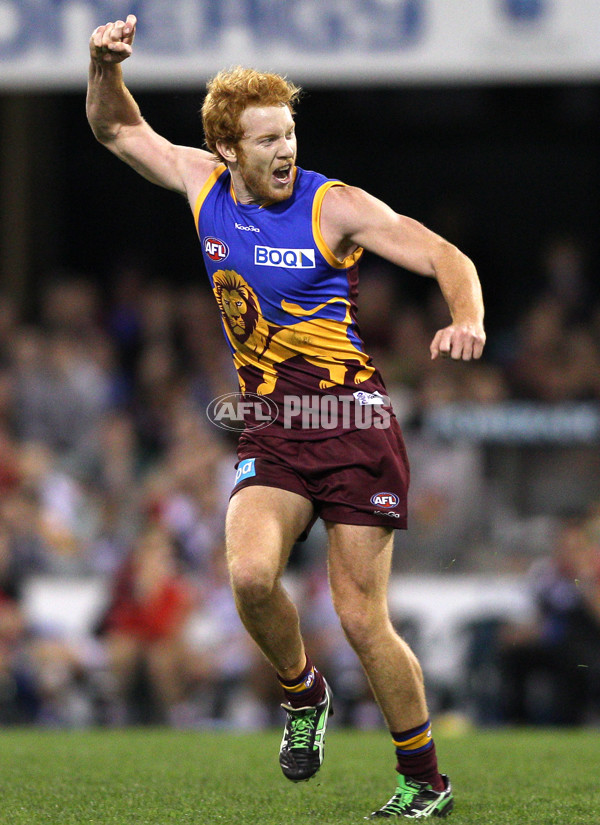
{"points": [[240, 190]]}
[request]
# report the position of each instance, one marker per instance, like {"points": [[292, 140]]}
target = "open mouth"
{"points": [[283, 174]]}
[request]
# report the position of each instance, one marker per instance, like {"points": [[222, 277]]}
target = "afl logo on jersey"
{"points": [[385, 500], [216, 249]]}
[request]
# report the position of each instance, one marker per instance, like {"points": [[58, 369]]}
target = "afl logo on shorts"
{"points": [[385, 500], [215, 249]]}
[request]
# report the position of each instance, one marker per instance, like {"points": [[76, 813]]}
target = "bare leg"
{"points": [[359, 568], [164, 659], [262, 525], [124, 654]]}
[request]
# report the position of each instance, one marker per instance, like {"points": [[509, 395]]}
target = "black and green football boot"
{"points": [[416, 800], [301, 751]]}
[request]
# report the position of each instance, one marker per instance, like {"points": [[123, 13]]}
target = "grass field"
{"points": [[157, 777]]}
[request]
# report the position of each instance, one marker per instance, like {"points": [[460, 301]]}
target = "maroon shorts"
{"points": [[359, 477]]}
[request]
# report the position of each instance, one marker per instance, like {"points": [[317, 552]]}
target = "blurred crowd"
{"points": [[111, 471]]}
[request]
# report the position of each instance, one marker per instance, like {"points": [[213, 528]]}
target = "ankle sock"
{"points": [[415, 752], [306, 689]]}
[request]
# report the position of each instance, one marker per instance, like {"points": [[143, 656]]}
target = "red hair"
{"points": [[230, 92]]}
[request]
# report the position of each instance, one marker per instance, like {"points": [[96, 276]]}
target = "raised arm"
{"points": [[116, 120], [350, 217]]}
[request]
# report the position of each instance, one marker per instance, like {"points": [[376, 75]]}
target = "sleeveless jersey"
{"points": [[288, 309]]}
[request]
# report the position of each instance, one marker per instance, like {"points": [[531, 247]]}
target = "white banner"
{"points": [[43, 43]]}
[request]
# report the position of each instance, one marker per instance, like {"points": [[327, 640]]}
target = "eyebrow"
{"points": [[274, 134]]}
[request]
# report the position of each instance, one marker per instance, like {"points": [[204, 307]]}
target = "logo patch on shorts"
{"points": [[367, 398], [385, 500], [246, 469]]}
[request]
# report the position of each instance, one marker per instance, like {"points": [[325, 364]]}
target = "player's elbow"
{"points": [[103, 136]]}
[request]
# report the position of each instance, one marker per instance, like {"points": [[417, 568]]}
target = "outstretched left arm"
{"points": [[350, 217]]}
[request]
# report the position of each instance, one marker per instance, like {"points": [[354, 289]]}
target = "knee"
{"points": [[252, 583], [361, 624]]}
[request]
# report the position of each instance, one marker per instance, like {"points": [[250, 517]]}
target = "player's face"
{"points": [[266, 155]]}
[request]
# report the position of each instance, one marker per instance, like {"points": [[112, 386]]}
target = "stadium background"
{"points": [[110, 355]]}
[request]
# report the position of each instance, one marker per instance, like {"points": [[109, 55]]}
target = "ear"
{"points": [[227, 151]]}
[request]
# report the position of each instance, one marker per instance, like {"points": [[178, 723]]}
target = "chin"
{"points": [[282, 194]]}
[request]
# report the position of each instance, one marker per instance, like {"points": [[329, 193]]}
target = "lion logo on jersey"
{"points": [[258, 343]]}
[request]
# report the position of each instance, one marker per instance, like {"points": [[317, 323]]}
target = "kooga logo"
{"points": [[287, 258]]}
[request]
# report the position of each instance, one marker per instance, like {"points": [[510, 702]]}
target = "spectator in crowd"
{"points": [[555, 360], [551, 667], [565, 264], [143, 628], [17, 701]]}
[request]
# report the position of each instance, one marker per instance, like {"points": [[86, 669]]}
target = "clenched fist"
{"points": [[113, 42], [461, 342]]}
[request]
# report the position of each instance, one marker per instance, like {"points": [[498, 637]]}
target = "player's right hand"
{"points": [[113, 42]]}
